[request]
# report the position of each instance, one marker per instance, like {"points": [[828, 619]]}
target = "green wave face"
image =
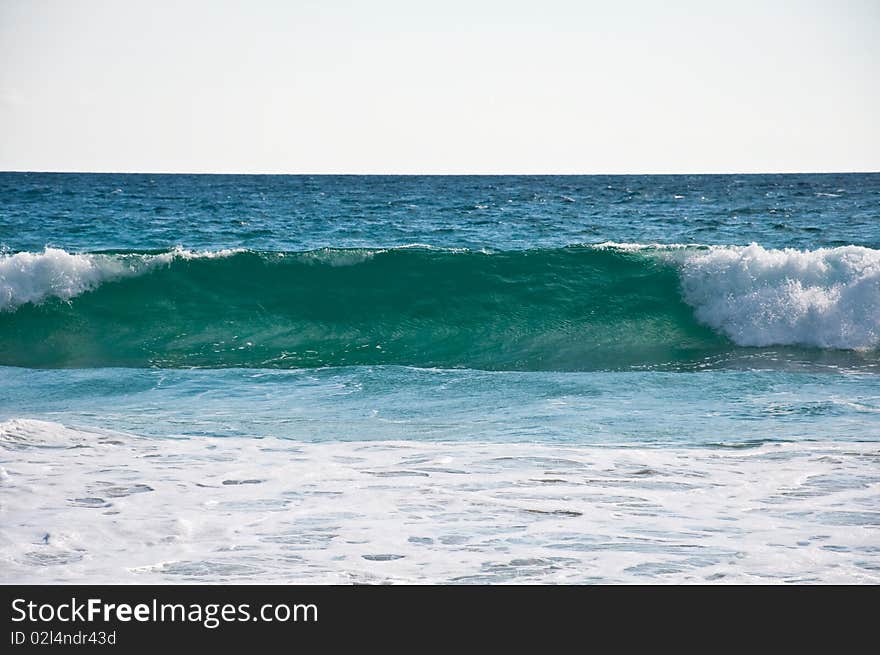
{"points": [[558, 309]]}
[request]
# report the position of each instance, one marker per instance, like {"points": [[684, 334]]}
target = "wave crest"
{"points": [[826, 298], [587, 307], [32, 277], [28, 277]]}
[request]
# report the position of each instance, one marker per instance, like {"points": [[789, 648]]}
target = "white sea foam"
{"points": [[137, 510], [185, 253], [32, 277], [826, 298], [46, 434], [637, 247]]}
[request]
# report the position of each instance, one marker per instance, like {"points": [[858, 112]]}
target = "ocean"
{"points": [[439, 379]]}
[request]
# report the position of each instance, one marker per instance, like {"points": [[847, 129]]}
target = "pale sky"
{"points": [[448, 86]]}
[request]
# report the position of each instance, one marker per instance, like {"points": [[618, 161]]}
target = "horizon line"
{"points": [[434, 174]]}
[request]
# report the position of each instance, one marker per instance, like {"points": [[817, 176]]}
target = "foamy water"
{"points": [[33, 277], [825, 298], [96, 506]]}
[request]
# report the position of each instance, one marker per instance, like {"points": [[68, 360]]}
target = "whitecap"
{"points": [[826, 298], [32, 277]]}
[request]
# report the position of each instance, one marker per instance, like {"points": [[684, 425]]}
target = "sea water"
{"points": [[571, 379]]}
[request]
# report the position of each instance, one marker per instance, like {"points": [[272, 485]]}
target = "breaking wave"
{"points": [[575, 308]]}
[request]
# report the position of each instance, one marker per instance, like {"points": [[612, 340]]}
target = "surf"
{"points": [[582, 307]]}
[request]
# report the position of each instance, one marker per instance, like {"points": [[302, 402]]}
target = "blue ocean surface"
{"points": [[94, 212], [440, 378]]}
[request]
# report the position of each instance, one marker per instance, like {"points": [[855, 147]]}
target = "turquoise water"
{"points": [[671, 315], [730, 408]]}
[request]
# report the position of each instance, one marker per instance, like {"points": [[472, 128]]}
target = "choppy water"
{"points": [[446, 379]]}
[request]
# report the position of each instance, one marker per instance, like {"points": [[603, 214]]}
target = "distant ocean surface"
{"points": [[572, 379]]}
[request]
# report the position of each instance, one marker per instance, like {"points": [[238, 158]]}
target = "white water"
{"points": [[95, 506], [826, 298], [32, 277]]}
